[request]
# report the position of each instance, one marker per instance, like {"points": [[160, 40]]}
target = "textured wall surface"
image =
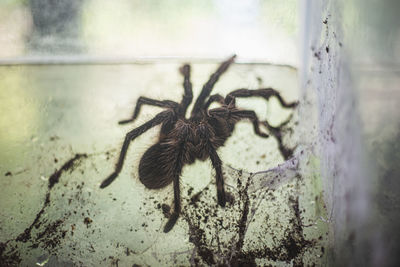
{"points": [[350, 85]]}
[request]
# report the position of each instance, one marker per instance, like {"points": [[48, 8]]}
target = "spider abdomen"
{"points": [[156, 166]]}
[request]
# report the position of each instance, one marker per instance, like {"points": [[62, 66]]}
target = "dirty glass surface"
{"points": [[61, 138], [70, 70]]}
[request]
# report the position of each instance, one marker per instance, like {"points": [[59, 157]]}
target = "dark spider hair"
{"points": [[182, 141]]}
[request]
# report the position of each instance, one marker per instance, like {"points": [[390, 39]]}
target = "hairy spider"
{"points": [[183, 140]]}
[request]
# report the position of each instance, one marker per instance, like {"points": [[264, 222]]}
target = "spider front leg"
{"points": [[188, 92], [249, 114], [206, 90], [148, 101], [277, 132], [265, 93], [238, 115], [214, 98], [161, 117]]}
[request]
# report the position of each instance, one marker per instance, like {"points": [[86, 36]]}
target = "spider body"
{"points": [[189, 137], [183, 140]]}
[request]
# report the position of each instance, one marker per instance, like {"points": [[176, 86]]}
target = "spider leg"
{"points": [[177, 192], [148, 101], [217, 164], [265, 93], [277, 132], [249, 114], [177, 205], [205, 92], [214, 98], [159, 118], [188, 93]]}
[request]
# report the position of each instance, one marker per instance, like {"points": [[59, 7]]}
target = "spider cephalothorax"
{"points": [[183, 140]]}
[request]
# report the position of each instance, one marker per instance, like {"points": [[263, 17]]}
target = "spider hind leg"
{"points": [[177, 201], [217, 164]]}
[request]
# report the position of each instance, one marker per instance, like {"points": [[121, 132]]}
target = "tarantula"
{"points": [[183, 140]]}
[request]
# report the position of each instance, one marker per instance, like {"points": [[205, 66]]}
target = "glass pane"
{"points": [[63, 139], [121, 30], [72, 69]]}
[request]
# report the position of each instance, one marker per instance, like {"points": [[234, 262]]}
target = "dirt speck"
{"points": [[87, 221]]}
